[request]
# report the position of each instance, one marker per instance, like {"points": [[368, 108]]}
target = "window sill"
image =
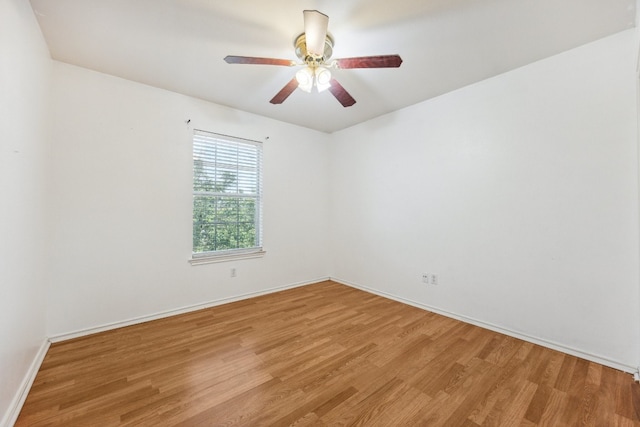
{"points": [[210, 259]]}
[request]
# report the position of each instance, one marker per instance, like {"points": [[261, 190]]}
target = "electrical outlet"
{"points": [[233, 272], [425, 278], [433, 279]]}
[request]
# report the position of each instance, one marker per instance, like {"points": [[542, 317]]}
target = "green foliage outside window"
{"points": [[222, 223]]}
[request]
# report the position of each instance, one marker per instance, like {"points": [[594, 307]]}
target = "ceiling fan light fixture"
{"points": [[305, 79], [323, 79]]}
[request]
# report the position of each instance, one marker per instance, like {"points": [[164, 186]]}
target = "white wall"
{"points": [[121, 217], [520, 192], [24, 71], [638, 117]]}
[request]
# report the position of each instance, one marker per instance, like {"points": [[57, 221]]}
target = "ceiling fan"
{"points": [[314, 48]]}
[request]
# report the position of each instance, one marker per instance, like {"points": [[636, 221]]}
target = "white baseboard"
{"points": [[181, 310], [18, 401], [543, 342]]}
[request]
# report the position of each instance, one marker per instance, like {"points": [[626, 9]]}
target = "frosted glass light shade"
{"points": [[323, 79], [305, 79]]}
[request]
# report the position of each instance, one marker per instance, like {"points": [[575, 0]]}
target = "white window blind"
{"points": [[227, 191]]}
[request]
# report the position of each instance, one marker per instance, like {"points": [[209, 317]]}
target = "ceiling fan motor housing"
{"points": [[309, 58]]}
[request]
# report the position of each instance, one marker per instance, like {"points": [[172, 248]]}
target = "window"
{"points": [[227, 196]]}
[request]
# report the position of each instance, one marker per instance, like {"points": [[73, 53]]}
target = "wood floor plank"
{"points": [[320, 355], [494, 393], [459, 399], [608, 387], [555, 409], [537, 404], [512, 408], [566, 371]]}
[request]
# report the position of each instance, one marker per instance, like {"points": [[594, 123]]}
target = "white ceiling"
{"points": [[179, 45]]}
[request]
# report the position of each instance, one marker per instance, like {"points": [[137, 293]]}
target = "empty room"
{"points": [[319, 213]]}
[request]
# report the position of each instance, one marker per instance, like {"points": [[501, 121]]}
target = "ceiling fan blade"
{"points": [[231, 59], [341, 94], [285, 92], [315, 30], [379, 61]]}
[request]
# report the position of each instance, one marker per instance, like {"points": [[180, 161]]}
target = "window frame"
{"points": [[222, 255]]}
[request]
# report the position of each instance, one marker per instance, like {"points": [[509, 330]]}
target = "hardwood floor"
{"points": [[323, 355]]}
